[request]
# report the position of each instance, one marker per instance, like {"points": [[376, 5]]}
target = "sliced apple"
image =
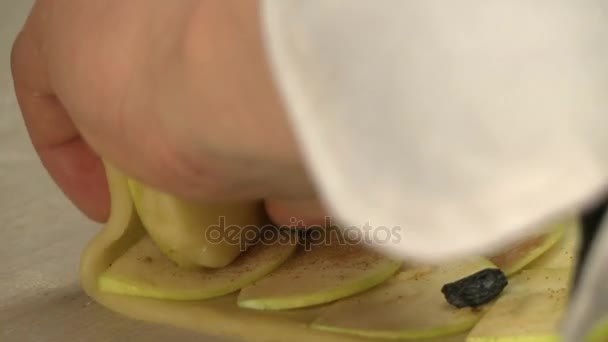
{"points": [[409, 306], [146, 272], [327, 272], [529, 310], [599, 333], [519, 255], [194, 234], [564, 253]]}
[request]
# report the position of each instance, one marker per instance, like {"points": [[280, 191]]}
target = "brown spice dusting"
{"points": [[513, 254]]}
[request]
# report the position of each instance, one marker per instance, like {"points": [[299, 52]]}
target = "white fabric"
{"points": [[466, 123], [462, 122]]}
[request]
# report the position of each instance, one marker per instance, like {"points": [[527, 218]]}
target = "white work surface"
{"points": [[42, 236]]}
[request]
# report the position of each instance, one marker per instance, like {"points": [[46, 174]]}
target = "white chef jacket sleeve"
{"points": [[463, 123]]}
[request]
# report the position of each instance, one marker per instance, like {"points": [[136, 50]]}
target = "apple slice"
{"points": [[186, 232], [530, 309], [564, 253], [519, 255], [599, 333], [146, 272], [409, 306], [328, 271]]}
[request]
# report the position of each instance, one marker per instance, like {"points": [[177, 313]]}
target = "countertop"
{"points": [[42, 236]]}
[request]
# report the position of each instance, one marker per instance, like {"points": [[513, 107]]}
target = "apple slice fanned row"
{"points": [[325, 272], [155, 246], [281, 280], [145, 271], [409, 306], [529, 310], [328, 270]]}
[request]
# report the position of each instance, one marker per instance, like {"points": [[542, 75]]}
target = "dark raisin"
{"points": [[475, 290]]}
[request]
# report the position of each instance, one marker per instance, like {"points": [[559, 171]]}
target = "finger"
{"points": [[70, 162], [297, 213]]}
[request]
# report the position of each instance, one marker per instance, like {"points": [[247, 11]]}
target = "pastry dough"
{"points": [[217, 317]]}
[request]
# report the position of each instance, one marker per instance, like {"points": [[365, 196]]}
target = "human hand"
{"points": [[175, 93]]}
